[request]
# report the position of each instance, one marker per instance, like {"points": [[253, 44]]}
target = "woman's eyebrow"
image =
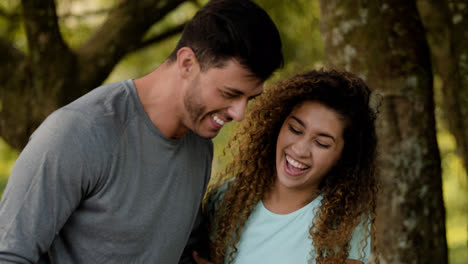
{"points": [[298, 120]]}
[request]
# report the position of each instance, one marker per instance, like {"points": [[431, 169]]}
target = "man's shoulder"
{"points": [[104, 100], [98, 116]]}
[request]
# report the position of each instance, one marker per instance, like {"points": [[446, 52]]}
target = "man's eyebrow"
{"points": [[237, 92], [256, 95], [234, 90]]}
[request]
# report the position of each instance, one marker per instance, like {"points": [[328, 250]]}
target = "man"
{"points": [[118, 175]]}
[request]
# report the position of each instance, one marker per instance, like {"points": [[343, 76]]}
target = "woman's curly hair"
{"points": [[349, 189]]}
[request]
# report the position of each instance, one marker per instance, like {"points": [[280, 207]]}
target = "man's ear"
{"points": [[187, 62]]}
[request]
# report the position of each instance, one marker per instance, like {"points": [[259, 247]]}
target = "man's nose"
{"points": [[237, 110]]}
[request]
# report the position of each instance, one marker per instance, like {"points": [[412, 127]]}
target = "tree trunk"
{"points": [[446, 24], [384, 42]]}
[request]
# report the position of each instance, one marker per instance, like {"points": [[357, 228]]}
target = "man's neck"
{"points": [[160, 94]]}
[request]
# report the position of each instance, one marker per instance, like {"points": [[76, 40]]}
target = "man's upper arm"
{"points": [[44, 188]]}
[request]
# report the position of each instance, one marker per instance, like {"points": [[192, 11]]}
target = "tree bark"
{"points": [[446, 24], [384, 42], [52, 74]]}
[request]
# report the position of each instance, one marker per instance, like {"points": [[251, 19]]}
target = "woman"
{"points": [[304, 186]]}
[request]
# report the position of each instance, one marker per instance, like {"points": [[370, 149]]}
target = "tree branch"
{"points": [[120, 33], [10, 58], [13, 19], [166, 34], [87, 14], [84, 15], [14, 77], [3, 13], [42, 30]]}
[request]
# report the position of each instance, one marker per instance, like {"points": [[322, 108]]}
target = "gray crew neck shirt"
{"points": [[99, 183]]}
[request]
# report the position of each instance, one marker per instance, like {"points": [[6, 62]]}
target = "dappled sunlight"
{"points": [[7, 159], [455, 189]]}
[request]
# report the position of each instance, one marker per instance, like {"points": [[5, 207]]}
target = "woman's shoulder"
{"points": [[360, 243]]}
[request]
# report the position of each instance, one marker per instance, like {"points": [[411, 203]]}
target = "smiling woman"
{"points": [[309, 144], [301, 187]]}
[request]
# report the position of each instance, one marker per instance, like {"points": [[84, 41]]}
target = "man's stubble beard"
{"points": [[193, 105]]}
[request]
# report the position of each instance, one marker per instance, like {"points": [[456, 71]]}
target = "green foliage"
{"points": [[11, 26], [144, 61], [7, 159], [78, 19], [455, 190], [299, 26], [455, 186]]}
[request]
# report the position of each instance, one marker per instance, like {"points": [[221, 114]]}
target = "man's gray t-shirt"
{"points": [[98, 183]]}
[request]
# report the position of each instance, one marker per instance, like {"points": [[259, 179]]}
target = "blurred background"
{"points": [[414, 54]]}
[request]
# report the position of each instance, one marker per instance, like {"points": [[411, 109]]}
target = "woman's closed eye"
{"points": [[319, 141], [294, 130], [322, 144]]}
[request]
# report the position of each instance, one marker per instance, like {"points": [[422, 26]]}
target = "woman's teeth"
{"points": [[295, 163]]}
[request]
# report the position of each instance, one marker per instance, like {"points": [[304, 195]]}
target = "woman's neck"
{"points": [[282, 200]]}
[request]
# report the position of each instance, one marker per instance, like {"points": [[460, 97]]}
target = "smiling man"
{"points": [[118, 175]]}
